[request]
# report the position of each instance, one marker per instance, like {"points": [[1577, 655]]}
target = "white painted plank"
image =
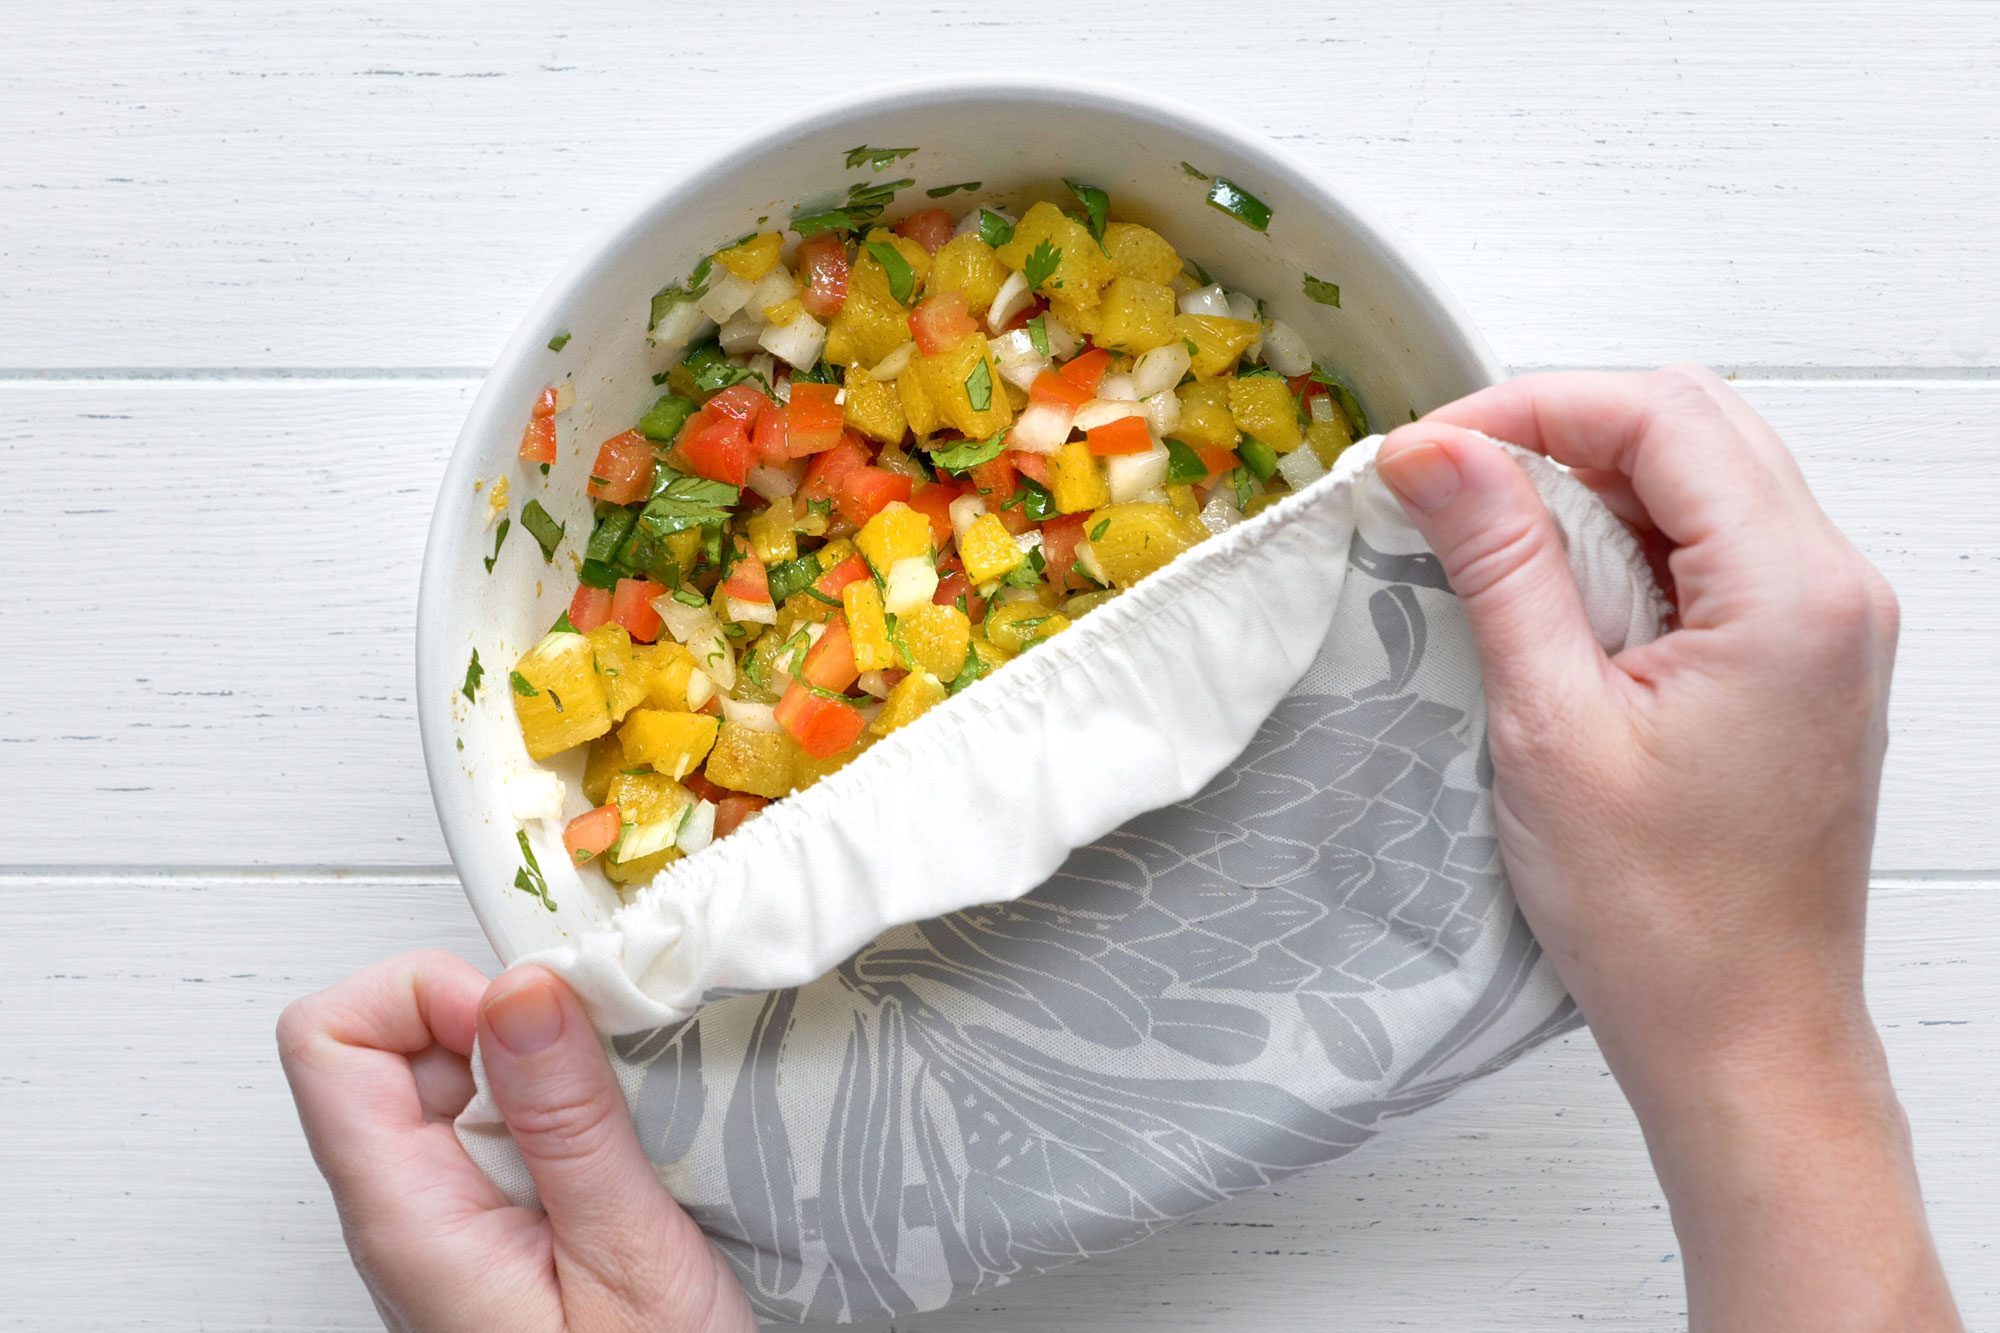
{"points": [[353, 185], [255, 705], [149, 1120]]}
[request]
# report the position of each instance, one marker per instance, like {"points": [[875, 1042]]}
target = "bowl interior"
{"points": [[1396, 337]]}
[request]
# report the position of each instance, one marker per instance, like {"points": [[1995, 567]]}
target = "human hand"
{"points": [[1687, 825], [378, 1065]]}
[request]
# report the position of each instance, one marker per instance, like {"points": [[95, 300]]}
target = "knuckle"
{"points": [[1681, 388], [566, 1126], [1498, 553]]}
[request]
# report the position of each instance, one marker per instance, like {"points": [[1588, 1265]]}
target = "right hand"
{"points": [[1687, 825]]}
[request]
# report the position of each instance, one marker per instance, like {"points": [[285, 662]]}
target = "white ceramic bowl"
{"points": [[1397, 337]]}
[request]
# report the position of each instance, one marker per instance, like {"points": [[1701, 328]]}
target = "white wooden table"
{"points": [[253, 262]]}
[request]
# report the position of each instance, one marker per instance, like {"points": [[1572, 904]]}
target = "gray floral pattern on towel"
{"points": [[1216, 995]]}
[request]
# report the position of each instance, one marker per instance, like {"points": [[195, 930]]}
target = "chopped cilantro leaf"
{"points": [[1184, 465], [522, 685], [819, 373], [688, 597], [681, 502], [940, 191], [1029, 572], [1032, 499], [969, 454], [548, 533], [473, 673], [865, 202], [1038, 334], [1194, 171], [973, 669], [1096, 208], [828, 598], [979, 386], [1103, 526], [499, 540], [1200, 274], [1042, 263], [529, 877], [1240, 204], [560, 341], [664, 300], [902, 278], [1350, 406], [878, 158], [1239, 479], [562, 625], [1322, 291], [995, 230]]}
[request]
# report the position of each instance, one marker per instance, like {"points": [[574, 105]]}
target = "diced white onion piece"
{"points": [[1131, 475], [764, 366], [798, 342], [1284, 350], [751, 714], [1322, 407], [745, 611], [1155, 496], [1010, 300], [1206, 301], [774, 288], [1245, 308], [739, 333], [697, 828], [1043, 427], [1102, 411], [873, 683], [681, 325], [712, 653], [1086, 555], [725, 295], [911, 583], [869, 712], [966, 510], [970, 222], [700, 689], [1163, 409], [1301, 468], [565, 396], [1020, 364], [1120, 388], [895, 363], [1220, 513], [1159, 369], [684, 622], [534, 793], [1062, 342], [775, 483]]}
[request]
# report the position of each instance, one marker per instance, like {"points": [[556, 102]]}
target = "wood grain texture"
{"points": [[359, 185], [149, 1120], [264, 713]]}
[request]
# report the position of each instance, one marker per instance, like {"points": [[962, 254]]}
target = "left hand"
{"points": [[379, 1068]]}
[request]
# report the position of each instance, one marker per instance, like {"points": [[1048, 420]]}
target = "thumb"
{"points": [[1503, 554], [553, 1085]]}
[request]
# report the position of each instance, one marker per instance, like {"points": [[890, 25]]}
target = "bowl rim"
{"points": [[494, 400]]}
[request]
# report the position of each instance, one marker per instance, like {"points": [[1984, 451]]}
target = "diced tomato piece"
{"points": [[1020, 318], [1086, 369], [941, 323], [1126, 435], [770, 439], [867, 491], [698, 782], [930, 228], [735, 810], [592, 833], [717, 447], [743, 402], [851, 570], [829, 663], [813, 419], [545, 406], [538, 441], [994, 482], [1215, 458], [823, 266], [823, 727], [1060, 538], [748, 580], [1035, 467], [1051, 387], [953, 584], [824, 476], [933, 501], [632, 607], [623, 470], [589, 608]]}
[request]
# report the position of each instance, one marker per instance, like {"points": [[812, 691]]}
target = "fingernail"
{"points": [[527, 1017], [1423, 474]]}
